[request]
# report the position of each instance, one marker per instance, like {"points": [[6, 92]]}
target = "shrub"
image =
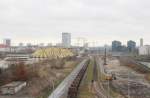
{"points": [[20, 72]]}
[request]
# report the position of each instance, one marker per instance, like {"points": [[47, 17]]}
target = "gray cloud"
{"points": [[101, 20]]}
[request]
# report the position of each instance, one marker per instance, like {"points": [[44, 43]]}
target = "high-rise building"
{"points": [[116, 46], [66, 39], [86, 45], [131, 45], [41, 44], [7, 42], [28, 44], [20, 44], [49, 44], [141, 42]]}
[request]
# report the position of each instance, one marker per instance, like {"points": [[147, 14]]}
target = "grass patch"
{"points": [[90, 71], [84, 92], [85, 89]]}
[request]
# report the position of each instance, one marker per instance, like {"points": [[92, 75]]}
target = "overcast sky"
{"points": [[102, 21]]}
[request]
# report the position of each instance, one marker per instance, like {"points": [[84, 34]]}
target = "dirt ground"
{"points": [[129, 82]]}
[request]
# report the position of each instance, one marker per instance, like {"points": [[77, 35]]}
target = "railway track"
{"points": [[95, 73], [132, 89], [137, 65], [62, 89], [98, 86], [99, 90], [73, 89], [128, 85]]}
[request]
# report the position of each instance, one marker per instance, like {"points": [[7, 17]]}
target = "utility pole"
{"points": [[53, 89], [128, 85], [105, 57], [108, 89]]}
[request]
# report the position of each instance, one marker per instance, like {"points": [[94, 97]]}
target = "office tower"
{"points": [[66, 39], [20, 44], [141, 42], [49, 44], [7, 42], [116, 46], [28, 44], [131, 45]]}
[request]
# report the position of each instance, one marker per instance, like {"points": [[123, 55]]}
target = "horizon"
{"points": [[74, 44]]}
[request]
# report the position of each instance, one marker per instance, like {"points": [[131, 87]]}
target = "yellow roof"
{"points": [[52, 53]]}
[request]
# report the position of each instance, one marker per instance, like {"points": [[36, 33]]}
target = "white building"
{"points": [[66, 39], [4, 48], [12, 88], [7, 42], [144, 50], [58, 45], [141, 42], [4, 64], [86, 45], [49, 44], [21, 45]]}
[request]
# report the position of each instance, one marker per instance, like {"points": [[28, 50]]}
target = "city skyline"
{"points": [[80, 42], [100, 20]]}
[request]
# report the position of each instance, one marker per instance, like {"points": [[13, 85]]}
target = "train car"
{"points": [[109, 76]]}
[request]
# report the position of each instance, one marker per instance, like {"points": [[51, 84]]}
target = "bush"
{"points": [[20, 72], [57, 63]]}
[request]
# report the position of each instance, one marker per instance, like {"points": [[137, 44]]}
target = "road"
{"points": [[62, 89]]}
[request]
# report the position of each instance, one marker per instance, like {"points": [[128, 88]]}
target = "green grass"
{"points": [[84, 90], [90, 71]]}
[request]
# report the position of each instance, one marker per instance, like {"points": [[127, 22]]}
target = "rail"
{"points": [[73, 89]]}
